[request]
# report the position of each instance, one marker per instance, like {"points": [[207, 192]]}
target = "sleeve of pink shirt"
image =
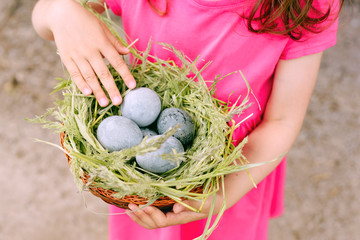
{"points": [[312, 43]]}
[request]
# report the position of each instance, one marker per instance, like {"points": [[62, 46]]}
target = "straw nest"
{"points": [[210, 157]]}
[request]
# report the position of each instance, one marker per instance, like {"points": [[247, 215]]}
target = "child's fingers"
{"points": [[116, 43], [196, 204], [184, 217], [116, 60], [90, 78], [141, 217], [77, 77], [136, 219], [120, 66], [106, 79], [178, 208], [157, 216]]}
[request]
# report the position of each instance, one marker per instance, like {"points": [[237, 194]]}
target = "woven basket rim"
{"points": [[164, 203]]}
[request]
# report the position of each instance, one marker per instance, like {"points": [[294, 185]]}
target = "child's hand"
{"points": [[151, 217], [83, 42]]}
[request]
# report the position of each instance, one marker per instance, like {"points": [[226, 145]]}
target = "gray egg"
{"points": [[142, 105], [116, 133], [170, 117], [148, 132], [153, 161]]}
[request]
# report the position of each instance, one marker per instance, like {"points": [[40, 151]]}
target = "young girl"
{"points": [[276, 44]]}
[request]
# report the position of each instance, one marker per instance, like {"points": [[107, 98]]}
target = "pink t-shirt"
{"points": [[215, 31]]}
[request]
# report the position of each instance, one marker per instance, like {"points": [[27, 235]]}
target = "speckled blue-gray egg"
{"points": [[148, 132], [154, 162], [116, 133], [170, 117], [142, 105]]}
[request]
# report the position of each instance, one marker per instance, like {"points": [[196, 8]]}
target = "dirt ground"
{"points": [[38, 197]]}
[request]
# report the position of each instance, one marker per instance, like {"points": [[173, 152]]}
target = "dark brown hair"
{"points": [[289, 17], [283, 17]]}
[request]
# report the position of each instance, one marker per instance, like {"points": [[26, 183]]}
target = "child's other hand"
{"points": [[151, 217], [83, 42]]}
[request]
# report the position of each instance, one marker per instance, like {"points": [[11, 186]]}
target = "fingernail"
{"points": [[126, 50], [178, 208], [132, 206], [103, 102], [132, 84], [116, 100], [87, 91]]}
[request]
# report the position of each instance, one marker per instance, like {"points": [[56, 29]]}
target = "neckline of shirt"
{"points": [[220, 3]]}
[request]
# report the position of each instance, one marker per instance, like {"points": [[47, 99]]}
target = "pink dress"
{"points": [[215, 31]]}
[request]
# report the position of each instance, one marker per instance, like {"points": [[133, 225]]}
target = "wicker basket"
{"points": [[163, 203]]}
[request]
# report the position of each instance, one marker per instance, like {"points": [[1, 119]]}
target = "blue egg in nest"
{"points": [[155, 161], [116, 133], [142, 105], [170, 117]]}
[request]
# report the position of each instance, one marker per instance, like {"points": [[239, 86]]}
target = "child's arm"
{"points": [[83, 42], [294, 82]]}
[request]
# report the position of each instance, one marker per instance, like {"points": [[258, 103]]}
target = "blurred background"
{"points": [[38, 197]]}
